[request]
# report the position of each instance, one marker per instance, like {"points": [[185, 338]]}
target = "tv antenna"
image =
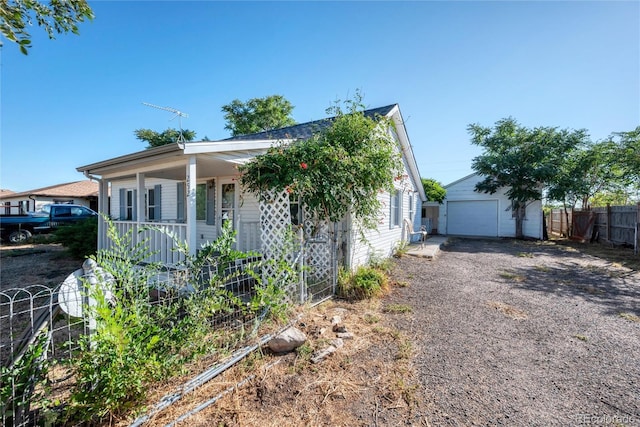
{"points": [[177, 113]]}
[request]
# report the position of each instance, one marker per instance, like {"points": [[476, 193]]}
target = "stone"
{"points": [[319, 356], [345, 335], [339, 328], [288, 340]]}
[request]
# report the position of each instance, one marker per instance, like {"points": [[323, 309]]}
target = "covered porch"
{"points": [[176, 194]]}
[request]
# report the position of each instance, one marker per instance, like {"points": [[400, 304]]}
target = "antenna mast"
{"points": [[177, 113]]}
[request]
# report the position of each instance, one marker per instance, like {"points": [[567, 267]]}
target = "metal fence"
{"points": [[55, 314]]}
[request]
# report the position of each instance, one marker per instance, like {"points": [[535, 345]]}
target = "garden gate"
{"points": [[288, 234]]}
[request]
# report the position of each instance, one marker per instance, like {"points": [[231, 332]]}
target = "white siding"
{"points": [[464, 190], [168, 199], [383, 241]]}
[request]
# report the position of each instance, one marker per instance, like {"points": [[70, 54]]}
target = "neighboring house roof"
{"points": [[305, 130], [4, 192], [77, 189]]}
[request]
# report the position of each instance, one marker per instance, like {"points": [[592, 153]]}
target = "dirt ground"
{"points": [[34, 264], [523, 333], [492, 332]]}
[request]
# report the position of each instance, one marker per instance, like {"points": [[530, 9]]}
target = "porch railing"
{"points": [[162, 238], [162, 245]]}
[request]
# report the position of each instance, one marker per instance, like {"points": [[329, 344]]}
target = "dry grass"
{"points": [[616, 255], [630, 317], [508, 310], [369, 377], [512, 276]]}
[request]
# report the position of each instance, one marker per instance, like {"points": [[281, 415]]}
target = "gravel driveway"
{"points": [[522, 333]]}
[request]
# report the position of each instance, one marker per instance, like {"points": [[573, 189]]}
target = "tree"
{"points": [[585, 171], [339, 170], [521, 160], [434, 190], [630, 154], [169, 136], [60, 16], [257, 115]]}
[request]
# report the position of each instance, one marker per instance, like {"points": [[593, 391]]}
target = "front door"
{"points": [[227, 210]]}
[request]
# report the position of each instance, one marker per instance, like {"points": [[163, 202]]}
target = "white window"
{"points": [[295, 209], [128, 205], [201, 202], [396, 209], [153, 203]]}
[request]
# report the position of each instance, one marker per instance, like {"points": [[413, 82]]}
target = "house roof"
{"points": [[85, 188], [305, 130], [239, 149], [4, 192], [464, 178]]}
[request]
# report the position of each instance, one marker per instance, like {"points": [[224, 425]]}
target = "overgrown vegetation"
{"points": [[339, 170], [145, 330], [19, 382], [364, 283], [80, 238]]}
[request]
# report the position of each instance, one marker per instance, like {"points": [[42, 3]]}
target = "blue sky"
{"points": [[77, 99]]}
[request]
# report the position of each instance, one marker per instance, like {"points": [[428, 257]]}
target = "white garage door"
{"points": [[473, 218]]}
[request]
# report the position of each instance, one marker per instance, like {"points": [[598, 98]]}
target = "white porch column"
{"points": [[141, 214], [103, 208], [192, 232]]}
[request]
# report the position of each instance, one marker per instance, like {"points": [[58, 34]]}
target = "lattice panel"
{"points": [[275, 220]]}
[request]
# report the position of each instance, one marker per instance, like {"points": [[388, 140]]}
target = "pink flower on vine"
{"points": [[303, 165]]}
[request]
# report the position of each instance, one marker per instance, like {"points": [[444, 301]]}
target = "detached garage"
{"points": [[466, 212]]}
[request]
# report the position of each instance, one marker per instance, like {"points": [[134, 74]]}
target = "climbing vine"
{"points": [[341, 169]]}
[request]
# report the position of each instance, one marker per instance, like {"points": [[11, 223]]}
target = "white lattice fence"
{"points": [[318, 257], [275, 221]]}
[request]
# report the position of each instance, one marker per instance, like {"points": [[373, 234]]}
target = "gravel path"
{"points": [[522, 333]]}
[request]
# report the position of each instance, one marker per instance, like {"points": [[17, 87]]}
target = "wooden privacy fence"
{"points": [[613, 224]]}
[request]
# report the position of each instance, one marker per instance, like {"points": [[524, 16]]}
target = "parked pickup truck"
{"points": [[18, 228]]}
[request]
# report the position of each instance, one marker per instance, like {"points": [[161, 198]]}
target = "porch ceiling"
{"points": [[208, 165]]}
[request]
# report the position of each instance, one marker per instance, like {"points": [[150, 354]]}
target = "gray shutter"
{"points": [[211, 202], [180, 215], [158, 202], [123, 204], [134, 215], [391, 196]]}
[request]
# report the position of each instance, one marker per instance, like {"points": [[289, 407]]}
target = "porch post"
{"points": [[141, 214], [192, 235], [103, 208]]}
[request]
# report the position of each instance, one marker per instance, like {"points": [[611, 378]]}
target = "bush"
{"points": [[80, 238], [366, 282], [137, 342]]}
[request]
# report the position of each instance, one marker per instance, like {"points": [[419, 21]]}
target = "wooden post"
{"points": [[637, 245], [608, 222]]}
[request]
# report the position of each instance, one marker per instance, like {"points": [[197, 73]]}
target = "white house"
{"points": [[191, 189], [83, 193], [466, 212]]}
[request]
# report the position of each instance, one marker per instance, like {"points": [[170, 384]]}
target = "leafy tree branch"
{"points": [[59, 16]]}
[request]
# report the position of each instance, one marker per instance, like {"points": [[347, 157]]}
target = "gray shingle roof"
{"points": [[305, 130]]}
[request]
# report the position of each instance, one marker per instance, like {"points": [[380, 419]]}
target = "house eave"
{"points": [[407, 151], [99, 168]]}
